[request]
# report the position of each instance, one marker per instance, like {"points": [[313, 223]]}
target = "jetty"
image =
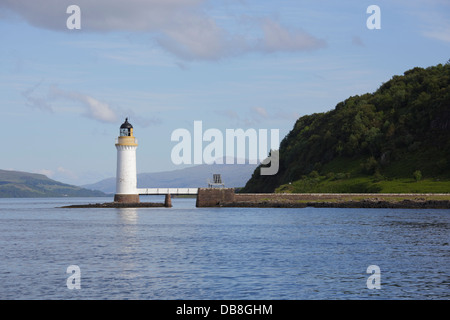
{"points": [[227, 197]]}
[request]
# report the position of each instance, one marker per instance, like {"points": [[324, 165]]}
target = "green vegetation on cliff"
{"points": [[396, 139], [16, 184]]}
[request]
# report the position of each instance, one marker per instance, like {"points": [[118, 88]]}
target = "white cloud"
{"points": [[440, 32], [260, 111], [66, 174], [181, 27], [256, 115], [44, 98], [94, 108], [194, 37], [46, 172], [432, 17], [279, 38], [435, 24], [59, 174], [99, 110], [101, 15]]}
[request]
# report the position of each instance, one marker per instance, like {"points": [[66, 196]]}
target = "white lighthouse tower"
{"points": [[126, 181]]}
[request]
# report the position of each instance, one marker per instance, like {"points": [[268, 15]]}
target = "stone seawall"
{"points": [[214, 197], [226, 197]]}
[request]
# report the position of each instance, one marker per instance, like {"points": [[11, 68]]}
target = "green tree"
{"points": [[417, 175]]}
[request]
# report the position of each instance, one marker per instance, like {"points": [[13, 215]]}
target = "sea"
{"points": [[188, 253]]}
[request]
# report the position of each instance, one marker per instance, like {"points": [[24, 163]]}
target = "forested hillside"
{"points": [[396, 139], [17, 184]]}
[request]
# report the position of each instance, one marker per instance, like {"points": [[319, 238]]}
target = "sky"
{"points": [[164, 64]]}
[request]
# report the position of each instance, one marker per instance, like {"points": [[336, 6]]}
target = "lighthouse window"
{"points": [[124, 132]]}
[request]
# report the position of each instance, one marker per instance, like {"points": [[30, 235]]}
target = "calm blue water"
{"points": [[221, 253]]}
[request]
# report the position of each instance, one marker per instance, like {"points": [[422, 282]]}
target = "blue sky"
{"points": [[167, 63]]}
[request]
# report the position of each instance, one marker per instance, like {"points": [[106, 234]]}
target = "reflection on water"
{"points": [[127, 242], [128, 215], [220, 253]]}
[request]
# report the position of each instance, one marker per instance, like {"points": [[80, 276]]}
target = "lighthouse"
{"points": [[126, 181]]}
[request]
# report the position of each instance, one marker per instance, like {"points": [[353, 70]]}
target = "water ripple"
{"points": [[226, 253]]}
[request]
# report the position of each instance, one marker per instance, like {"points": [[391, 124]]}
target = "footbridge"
{"points": [[164, 191]]}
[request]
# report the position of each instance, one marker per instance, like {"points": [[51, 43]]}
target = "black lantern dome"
{"points": [[126, 129]]}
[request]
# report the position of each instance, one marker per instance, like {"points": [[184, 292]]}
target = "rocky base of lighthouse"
{"points": [[126, 198], [125, 201], [117, 205]]}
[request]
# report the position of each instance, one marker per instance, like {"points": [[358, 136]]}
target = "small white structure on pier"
{"points": [[216, 182]]}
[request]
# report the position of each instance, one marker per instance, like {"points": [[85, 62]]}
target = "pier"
{"points": [[226, 197]]}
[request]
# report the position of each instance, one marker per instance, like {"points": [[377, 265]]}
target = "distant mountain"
{"points": [[396, 139], [17, 184], [233, 175]]}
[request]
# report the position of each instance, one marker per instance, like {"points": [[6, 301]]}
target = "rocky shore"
{"points": [[406, 204], [118, 205], [366, 203]]}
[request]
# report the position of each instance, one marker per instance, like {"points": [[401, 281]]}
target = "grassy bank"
{"points": [[342, 183]]}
